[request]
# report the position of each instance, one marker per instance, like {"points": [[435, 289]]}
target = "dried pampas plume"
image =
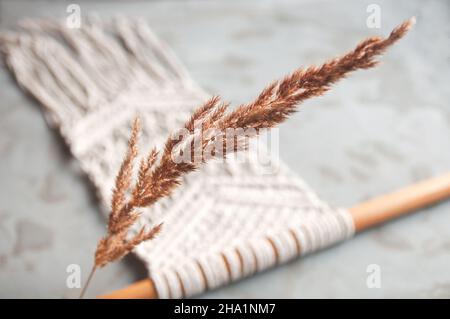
{"points": [[159, 175]]}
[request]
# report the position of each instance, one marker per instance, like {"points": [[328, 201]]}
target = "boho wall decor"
{"points": [[221, 220]]}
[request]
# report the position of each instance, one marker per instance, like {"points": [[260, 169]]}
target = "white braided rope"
{"points": [[226, 221]]}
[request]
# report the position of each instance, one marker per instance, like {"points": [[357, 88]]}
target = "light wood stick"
{"points": [[365, 215], [400, 202], [142, 289]]}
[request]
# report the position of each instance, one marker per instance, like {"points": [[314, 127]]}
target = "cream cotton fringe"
{"points": [[228, 220]]}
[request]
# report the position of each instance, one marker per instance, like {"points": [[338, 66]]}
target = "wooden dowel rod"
{"points": [[400, 202], [365, 215], [142, 289]]}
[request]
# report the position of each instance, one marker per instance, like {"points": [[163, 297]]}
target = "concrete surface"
{"points": [[377, 131]]}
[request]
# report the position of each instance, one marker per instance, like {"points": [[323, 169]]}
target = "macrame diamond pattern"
{"points": [[227, 220]]}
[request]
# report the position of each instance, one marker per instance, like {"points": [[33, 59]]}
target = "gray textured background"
{"points": [[377, 131]]}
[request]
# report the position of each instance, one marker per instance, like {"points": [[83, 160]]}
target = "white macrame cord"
{"points": [[227, 221]]}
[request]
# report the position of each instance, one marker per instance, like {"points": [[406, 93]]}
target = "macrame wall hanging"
{"points": [[227, 220]]}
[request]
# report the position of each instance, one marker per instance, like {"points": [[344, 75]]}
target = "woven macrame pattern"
{"points": [[229, 219]]}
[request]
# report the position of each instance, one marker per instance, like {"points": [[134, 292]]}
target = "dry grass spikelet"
{"points": [[159, 175]]}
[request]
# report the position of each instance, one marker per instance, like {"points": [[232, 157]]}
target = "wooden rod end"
{"points": [[142, 289]]}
